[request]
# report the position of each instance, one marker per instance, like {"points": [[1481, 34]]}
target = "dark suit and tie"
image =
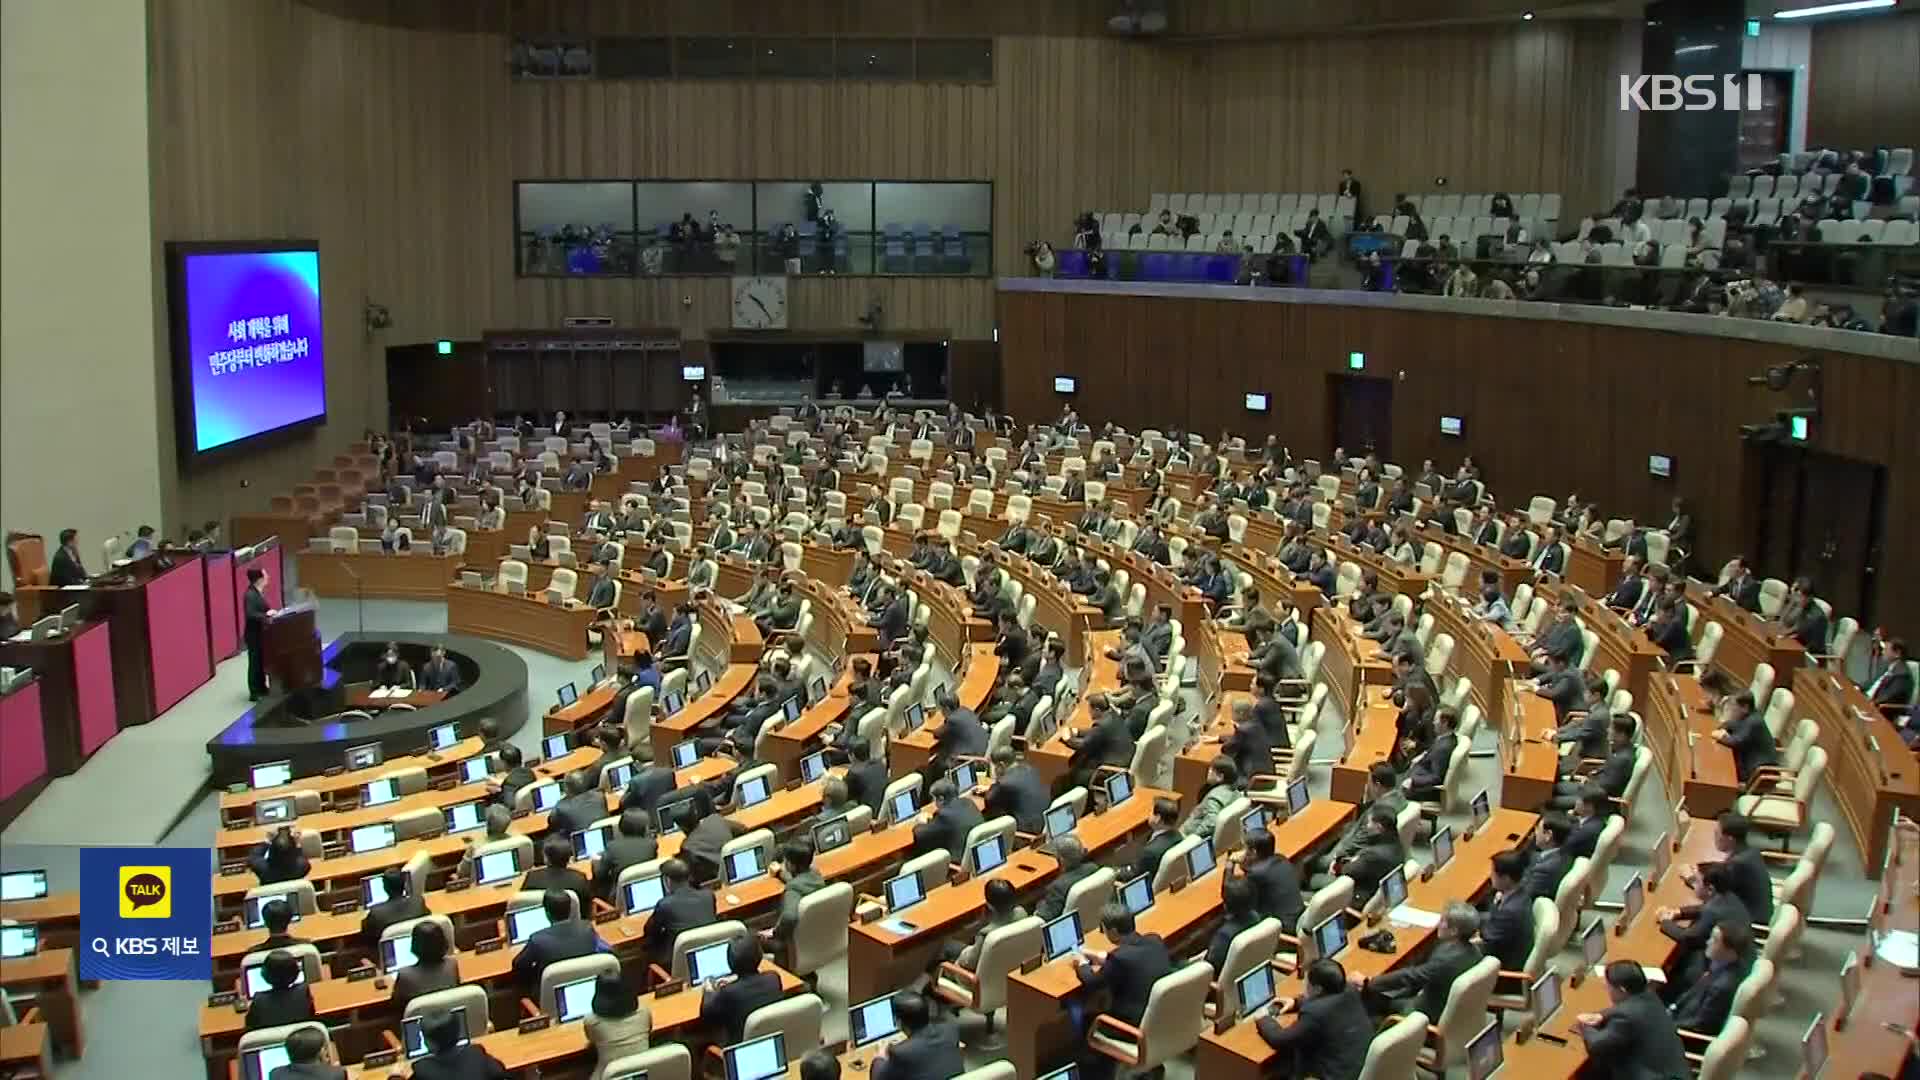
{"points": [[1021, 793], [441, 674], [67, 568], [1432, 979], [931, 1053], [1128, 973], [567, 940], [1705, 1006], [1508, 930], [685, 908], [948, 828], [1276, 890], [1328, 1038], [1636, 1040]]}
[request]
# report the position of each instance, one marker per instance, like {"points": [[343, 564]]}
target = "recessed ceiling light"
{"points": [[1526, 16], [1833, 9]]}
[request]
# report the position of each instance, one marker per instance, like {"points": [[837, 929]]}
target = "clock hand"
{"points": [[761, 306]]}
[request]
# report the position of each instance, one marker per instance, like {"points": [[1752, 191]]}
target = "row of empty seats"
{"points": [[1463, 229], [1262, 203], [1530, 205]]}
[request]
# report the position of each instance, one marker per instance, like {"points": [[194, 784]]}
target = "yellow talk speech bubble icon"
{"points": [[146, 892]]}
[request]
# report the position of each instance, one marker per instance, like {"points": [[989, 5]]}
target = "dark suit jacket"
{"points": [[1432, 978], [893, 622], [1022, 793], [561, 941], [1154, 850], [442, 676], [576, 812], [1373, 862], [1508, 930], [1329, 1038], [1636, 1040], [1692, 937], [1585, 835], [1626, 595], [1895, 687], [1811, 628], [1745, 593], [315, 1070], [1615, 772], [1129, 974], [682, 909], [727, 1008], [1752, 745], [1106, 743], [621, 853], [1054, 901], [963, 734], [1430, 768], [1545, 871], [416, 979], [1276, 890], [932, 1053], [469, 1062], [868, 784], [647, 788], [1752, 884], [387, 913], [1705, 1006], [948, 828], [1222, 940], [542, 878], [272, 1008], [66, 569]]}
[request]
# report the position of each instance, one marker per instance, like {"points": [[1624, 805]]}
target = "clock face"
{"points": [[760, 303]]}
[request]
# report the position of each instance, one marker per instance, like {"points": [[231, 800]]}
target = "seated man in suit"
{"points": [[1692, 925], [726, 1003], [1562, 685], [1586, 729], [1635, 1038], [399, 906], [1590, 812], [564, 938], [1746, 866], [867, 776], [1744, 730], [1631, 587], [1018, 790], [1165, 835], [1893, 684], [1429, 770], [891, 622], [582, 806], [278, 915], [954, 816], [1275, 881], [309, 1057], [1612, 775], [440, 673], [67, 568], [1507, 930], [1003, 909], [1561, 638], [1236, 898], [708, 832], [1330, 1037], [1378, 853], [1551, 859], [1383, 790], [931, 1049], [631, 845], [555, 873], [1704, 1006], [1803, 616], [1741, 586], [451, 1057], [282, 1002], [1074, 865], [1426, 986], [685, 906], [1222, 788], [1129, 970]]}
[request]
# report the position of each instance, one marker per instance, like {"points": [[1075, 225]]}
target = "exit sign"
{"points": [[1753, 27], [1356, 361], [444, 347]]}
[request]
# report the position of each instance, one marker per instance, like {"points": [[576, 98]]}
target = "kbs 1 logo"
{"points": [[1693, 93]]}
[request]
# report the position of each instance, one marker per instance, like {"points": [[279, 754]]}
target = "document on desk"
{"points": [[1654, 974], [381, 693], [1408, 915], [899, 927]]}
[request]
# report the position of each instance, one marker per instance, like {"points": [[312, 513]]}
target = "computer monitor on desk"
{"points": [[757, 1059]]}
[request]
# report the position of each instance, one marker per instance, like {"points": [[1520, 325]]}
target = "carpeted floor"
{"points": [[149, 785]]}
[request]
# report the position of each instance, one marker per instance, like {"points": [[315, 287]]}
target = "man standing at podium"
{"points": [[257, 613]]}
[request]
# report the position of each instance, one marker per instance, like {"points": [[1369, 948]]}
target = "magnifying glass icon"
{"points": [[99, 946]]}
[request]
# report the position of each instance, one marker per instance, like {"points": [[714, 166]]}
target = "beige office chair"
{"points": [[306, 952], [562, 972], [520, 844], [1396, 1049], [1750, 1000], [414, 824], [1249, 949], [1721, 1056], [1173, 865], [1150, 755], [1335, 895], [798, 1017], [1462, 1019], [1003, 826], [984, 989], [1785, 815], [699, 936], [1782, 940], [403, 931], [471, 997], [910, 782], [820, 932], [1572, 895], [1170, 1027], [638, 720], [1089, 896], [298, 893], [1229, 829], [1547, 942], [1605, 850], [1797, 887], [275, 1036], [667, 1062]]}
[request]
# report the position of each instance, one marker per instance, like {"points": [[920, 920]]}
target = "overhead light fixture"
{"points": [[1834, 9], [1526, 16], [1694, 49]]}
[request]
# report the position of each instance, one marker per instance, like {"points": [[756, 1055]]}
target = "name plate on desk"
{"points": [[605, 917], [494, 944], [227, 927], [232, 869], [538, 1023], [226, 997], [344, 907], [382, 1058], [457, 884], [362, 974]]}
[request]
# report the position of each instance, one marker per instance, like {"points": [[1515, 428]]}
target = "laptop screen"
{"points": [[1060, 821], [746, 864], [757, 1060], [262, 1062], [256, 976], [1330, 937], [964, 776], [1255, 989], [23, 885], [397, 953], [819, 688], [1254, 821], [366, 756], [555, 746], [667, 815], [372, 837], [568, 695], [1484, 1052], [1593, 944], [831, 834], [643, 893], [1442, 846], [19, 940], [1138, 894], [1545, 994], [380, 792], [257, 909], [599, 673], [271, 774], [1298, 796], [1482, 809], [474, 769], [546, 796], [1062, 935], [813, 767], [1119, 786], [685, 754], [916, 715], [575, 999], [1662, 857], [989, 854], [273, 811], [416, 1040], [1393, 888], [1199, 860], [588, 843], [903, 805], [526, 922], [443, 736], [496, 866], [753, 792], [616, 776], [905, 891], [871, 1021], [1071, 1072], [791, 709], [1632, 899], [709, 962], [701, 684], [373, 890]]}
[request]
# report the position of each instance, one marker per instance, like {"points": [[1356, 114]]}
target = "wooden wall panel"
{"points": [[1550, 407], [1864, 86]]}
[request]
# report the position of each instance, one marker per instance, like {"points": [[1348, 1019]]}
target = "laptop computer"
{"points": [[1253, 991], [757, 1059], [556, 746], [871, 1020], [989, 854], [270, 774], [641, 894], [495, 867], [709, 962], [745, 865], [19, 939], [23, 885], [1062, 935], [904, 891], [812, 767], [1119, 785], [525, 922], [685, 754], [371, 837], [365, 756], [1486, 1052], [1200, 860], [588, 843], [415, 1040], [754, 792], [443, 736], [1137, 894], [568, 695], [575, 999], [380, 792], [831, 834], [397, 953]]}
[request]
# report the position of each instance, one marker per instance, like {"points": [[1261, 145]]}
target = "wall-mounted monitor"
{"points": [[1256, 402], [1065, 384], [693, 372], [883, 357], [1660, 465], [1453, 425], [249, 352]]}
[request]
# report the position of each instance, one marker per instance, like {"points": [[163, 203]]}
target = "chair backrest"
{"points": [[1248, 950], [798, 1018], [699, 936], [1727, 1052], [562, 972], [820, 933], [1751, 996], [1783, 934], [274, 1036], [1173, 864], [1003, 951], [1334, 896], [307, 953], [469, 996], [1228, 832], [1090, 894], [1394, 1051], [999, 1070], [1807, 780], [1547, 940], [1176, 1013], [1466, 1011], [669, 1061], [1150, 755], [298, 893]]}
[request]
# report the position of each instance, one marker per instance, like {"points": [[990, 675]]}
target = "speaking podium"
{"points": [[292, 648]]}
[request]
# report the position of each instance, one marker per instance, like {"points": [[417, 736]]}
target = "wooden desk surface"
{"points": [[1870, 771], [669, 730], [1748, 640], [1240, 1052], [523, 620], [1680, 734], [364, 699], [417, 576], [1369, 742], [1351, 661], [1623, 647]]}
